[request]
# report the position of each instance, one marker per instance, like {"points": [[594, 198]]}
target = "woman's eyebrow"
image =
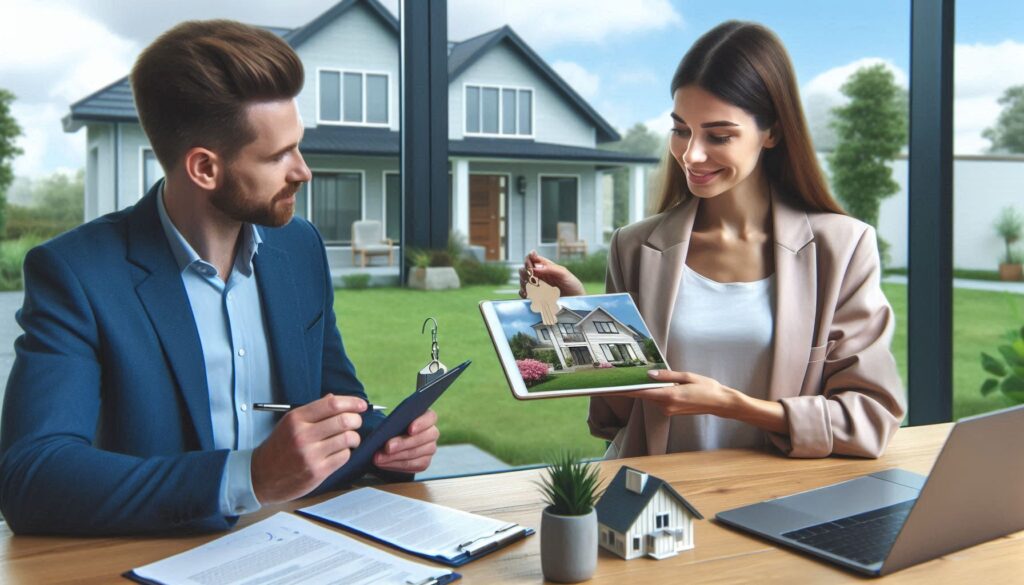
{"points": [[718, 124]]}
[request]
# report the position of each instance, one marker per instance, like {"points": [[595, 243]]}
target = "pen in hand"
{"points": [[269, 407]]}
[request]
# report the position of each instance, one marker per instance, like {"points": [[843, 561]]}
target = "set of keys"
{"points": [[543, 299], [434, 369]]}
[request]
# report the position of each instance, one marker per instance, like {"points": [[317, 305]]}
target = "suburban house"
{"points": [[586, 338], [522, 143], [643, 515]]}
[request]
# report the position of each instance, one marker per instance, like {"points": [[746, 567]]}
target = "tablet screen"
{"points": [[599, 344]]}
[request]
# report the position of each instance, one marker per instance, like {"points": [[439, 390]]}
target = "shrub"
{"points": [[532, 371], [589, 269], [604, 365], [356, 280], [12, 257], [472, 271], [547, 356]]}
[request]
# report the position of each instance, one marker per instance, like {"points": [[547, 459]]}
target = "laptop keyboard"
{"points": [[865, 538]]}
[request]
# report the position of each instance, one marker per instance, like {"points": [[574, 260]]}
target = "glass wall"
{"points": [[988, 168]]}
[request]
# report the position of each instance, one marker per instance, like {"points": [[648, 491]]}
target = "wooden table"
{"points": [[712, 481]]}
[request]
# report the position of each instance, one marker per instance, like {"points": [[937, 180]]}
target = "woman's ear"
{"points": [[773, 138]]}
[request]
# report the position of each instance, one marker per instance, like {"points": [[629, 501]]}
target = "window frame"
{"points": [[540, 204], [610, 325], [501, 99], [341, 97], [310, 213], [384, 202]]}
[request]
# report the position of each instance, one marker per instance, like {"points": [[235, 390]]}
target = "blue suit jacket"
{"points": [[106, 422]]}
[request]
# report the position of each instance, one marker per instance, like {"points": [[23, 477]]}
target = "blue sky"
{"points": [[618, 54], [516, 316]]}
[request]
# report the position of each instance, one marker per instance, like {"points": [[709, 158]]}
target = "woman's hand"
{"points": [[696, 394], [554, 274]]}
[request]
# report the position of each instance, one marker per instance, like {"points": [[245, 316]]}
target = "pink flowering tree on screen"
{"points": [[532, 371]]}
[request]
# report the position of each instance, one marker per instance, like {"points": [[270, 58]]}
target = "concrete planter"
{"points": [[568, 546], [1010, 271], [433, 278]]}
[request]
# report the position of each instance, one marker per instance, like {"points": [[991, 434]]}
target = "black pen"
{"points": [[269, 407]]}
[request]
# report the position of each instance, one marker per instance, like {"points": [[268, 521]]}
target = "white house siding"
{"points": [[595, 338], [645, 523], [357, 41], [555, 120], [128, 139], [99, 171]]}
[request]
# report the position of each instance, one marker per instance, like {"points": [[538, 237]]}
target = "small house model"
{"points": [[642, 515]]}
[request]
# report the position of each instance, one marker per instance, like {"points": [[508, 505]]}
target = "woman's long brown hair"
{"points": [[746, 65]]}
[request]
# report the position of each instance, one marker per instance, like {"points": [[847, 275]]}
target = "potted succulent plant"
{"points": [[1009, 225], [568, 526], [1008, 373]]}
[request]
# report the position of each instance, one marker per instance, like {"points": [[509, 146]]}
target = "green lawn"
{"points": [[381, 329], [592, 377]]}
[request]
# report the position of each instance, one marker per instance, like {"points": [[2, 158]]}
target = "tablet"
{"points": [[600, 344]]}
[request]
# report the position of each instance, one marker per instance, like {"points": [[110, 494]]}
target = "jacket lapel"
{"points": [[162, 294], [795, 297], [661, 267], [279, 298]]}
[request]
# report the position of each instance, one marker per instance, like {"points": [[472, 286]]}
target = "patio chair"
{"points": [[368, 240], [569, 243]]}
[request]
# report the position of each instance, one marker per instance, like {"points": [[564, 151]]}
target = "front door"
{"points": [[581, 356], [487, 214]]}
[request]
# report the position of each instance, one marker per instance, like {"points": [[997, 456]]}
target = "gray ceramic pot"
{"points": [[568, 546]]}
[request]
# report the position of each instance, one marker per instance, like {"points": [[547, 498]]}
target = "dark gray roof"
{"points": [[618, 508], [301, 34], [467, 52], [383, 142]]}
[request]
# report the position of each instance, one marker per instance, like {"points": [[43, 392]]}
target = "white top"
{"points": [[723, 331]]}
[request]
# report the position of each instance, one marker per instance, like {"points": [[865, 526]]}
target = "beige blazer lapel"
{"points": [[795, 297], [661, 267]]}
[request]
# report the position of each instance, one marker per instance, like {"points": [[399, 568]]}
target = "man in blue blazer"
{"points": [[150, 332]]}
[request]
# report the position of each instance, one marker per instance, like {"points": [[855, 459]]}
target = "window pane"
{"points": [[508, 111], [557, 203], [393, 206], [301, 200], [337, 202], [151, 170], [472, 109], [490, 105], [330, 96], [353, 97], [525, 112], [377, 99]]}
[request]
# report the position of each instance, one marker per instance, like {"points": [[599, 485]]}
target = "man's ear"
{"points": [[203, 167]]}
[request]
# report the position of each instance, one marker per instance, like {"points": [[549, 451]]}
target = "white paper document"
{"points": [[414, 525], [284, 550]]}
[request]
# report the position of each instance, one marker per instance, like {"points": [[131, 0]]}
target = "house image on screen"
{"points": [[643, 515], [588, 338], [522, 144]]}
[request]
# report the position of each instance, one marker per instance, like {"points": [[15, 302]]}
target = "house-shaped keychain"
{"points": [[642, 515]]}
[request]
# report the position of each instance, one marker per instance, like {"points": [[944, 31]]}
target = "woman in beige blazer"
{"points": [[744, 201]]}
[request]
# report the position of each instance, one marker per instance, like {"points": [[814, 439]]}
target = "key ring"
{"points": [[435, 351]]}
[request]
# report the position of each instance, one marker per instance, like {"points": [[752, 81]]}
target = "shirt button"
{"points": [[244, 407], [241, 352]]}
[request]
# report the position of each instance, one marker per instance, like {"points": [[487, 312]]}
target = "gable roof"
{"points": [[469, 51], [303, 33], [619, 508]]}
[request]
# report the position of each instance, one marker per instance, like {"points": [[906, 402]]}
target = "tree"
{"points": [[871, 129], [54, 205], [638, 140], [522, 346], [1008, 133], [9, 132]]}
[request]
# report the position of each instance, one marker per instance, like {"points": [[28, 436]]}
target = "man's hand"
{"points": [[411, 453], [307, 445]]}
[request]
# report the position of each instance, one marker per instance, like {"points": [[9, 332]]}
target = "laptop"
{"points": [[886, 521]]}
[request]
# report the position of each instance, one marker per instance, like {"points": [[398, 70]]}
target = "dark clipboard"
{"points": [[456, 561], [395, 424]]}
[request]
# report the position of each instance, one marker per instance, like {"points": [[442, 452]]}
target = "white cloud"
{"points": [[660, 125], [830, 82], [584, 82], [545, 24], [46, 147], [638, 77]]}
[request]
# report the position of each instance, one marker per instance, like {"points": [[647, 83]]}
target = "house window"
{"points": [[353, 97], [567, 328], [302, 202], [558, 202], [605, 327], [657, 521], [544, 333], [662, 520], [499, 111], [393, 206], [636, 543], [337, 201], [151, 170]]}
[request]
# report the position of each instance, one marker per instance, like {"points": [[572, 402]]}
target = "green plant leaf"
{"points": [[1018, 346], [992, 365], [1013, 388], [989, 386], [1010, 355]]}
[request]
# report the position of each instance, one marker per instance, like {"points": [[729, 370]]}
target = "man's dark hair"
{"points": [[193, 83]]}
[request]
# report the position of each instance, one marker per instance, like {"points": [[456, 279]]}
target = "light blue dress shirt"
{"points": [[229, 319]]}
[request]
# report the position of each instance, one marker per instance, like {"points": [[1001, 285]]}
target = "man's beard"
{"points": [[235, 203]]}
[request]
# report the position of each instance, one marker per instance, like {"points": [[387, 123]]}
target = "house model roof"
{"points": [[618, 508]]}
